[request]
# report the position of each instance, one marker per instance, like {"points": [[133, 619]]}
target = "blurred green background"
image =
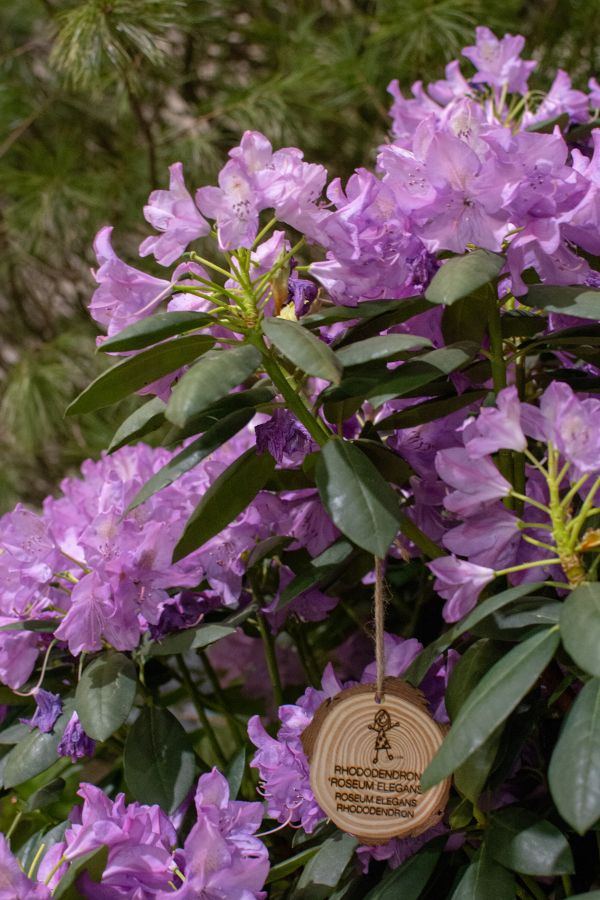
{"points": [[98, 97]]}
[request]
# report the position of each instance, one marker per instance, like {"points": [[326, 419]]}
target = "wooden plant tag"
{"points": [[366, 761]]}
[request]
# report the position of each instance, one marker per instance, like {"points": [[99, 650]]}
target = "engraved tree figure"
{"points": [[382, 723]]}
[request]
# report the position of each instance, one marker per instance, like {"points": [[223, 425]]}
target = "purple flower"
{"points": [[498, 427], [283, 437], [125, 294], [233, 205], [49, 708], [498, 62], [475, 485], [14, 884], [221, 857], [490, 538], [459, 582], [75, 742], [572, 425], [302, 293], [175, 214]]}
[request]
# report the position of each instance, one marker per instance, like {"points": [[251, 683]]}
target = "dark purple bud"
{"points": [[283, 436], [75, 742], [301, 293], [49, 708], [423, 268]]}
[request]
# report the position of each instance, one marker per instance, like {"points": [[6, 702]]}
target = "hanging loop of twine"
{"points": [[379, 628]]}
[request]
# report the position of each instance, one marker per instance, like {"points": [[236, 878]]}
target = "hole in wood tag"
{"points": [[366, 760]]}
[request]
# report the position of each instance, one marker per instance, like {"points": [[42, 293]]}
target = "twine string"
{"points": [[379, 629]]}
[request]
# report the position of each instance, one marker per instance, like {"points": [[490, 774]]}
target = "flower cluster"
{"points": [[543, 531], [221, 858]]}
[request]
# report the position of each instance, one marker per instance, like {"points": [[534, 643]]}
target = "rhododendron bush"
{"points": [[404, 367]]}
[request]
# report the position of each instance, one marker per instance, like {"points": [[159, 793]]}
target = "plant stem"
{"points": [[313, 425], [235, 727], [270, 658], [414, 534], [199, 705], [529, 565], [13, 825], [533, 887]]}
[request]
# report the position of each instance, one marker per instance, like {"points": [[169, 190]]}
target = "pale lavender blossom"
{"points": [[14, 884], [175, 214], [498, 61], [475, 485], [498, 427], [459, 582]]}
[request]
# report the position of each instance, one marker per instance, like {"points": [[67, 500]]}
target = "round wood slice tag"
{"points": [[366, 761]]}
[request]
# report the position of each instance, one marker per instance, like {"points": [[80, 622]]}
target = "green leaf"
{"points": [[399, 312], [387, 462], [285, 868], [93, 863], [42, 625], [105, 694], [322, 568], [572, 301], [193, 454], [485, 879], [156, 328], [419, 372], [358, 500], [235, 772], [327, 315], [147, 418], [467, 319], [226, 498], [468, 672], [421, 664], [190, 639], [429, 411], [138, 371], [210, 380], [580, 626], [591, 895], [410, 879], [326, 868], [492, 701], [303, 349], [460, 276], [261, 393], [524, 843], [471, 776], [530, 612], [386, 346], [158, 760], [46, 795], [574, 772], [36, 752]]}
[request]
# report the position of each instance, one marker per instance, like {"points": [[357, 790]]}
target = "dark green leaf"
{"points": [[492, 701], [271, 546], [261, 393], [235, 772], [225, 499], [524, 843], [429, 411], [147, 418], [190, 639], [572, 301], [358, 500], [471, 776], [485, 879], [580, 626], [548, 125], [399, 312], [574, 772], [323, 567], [386, 346], [531, 612], [522, 324], [408, 881], [468, 672], [46, 795], [460, 276], [327, 315], [285, 868], [467, 319], [158, 760], [43, 625], [303, 349], [387, 462], [139, 371], [14, 733], [93, 863], [419, 667], [156, 328], [36, 752], [325, 869], [419, 372], [105, 694], [210, 380], [193, 454]]}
